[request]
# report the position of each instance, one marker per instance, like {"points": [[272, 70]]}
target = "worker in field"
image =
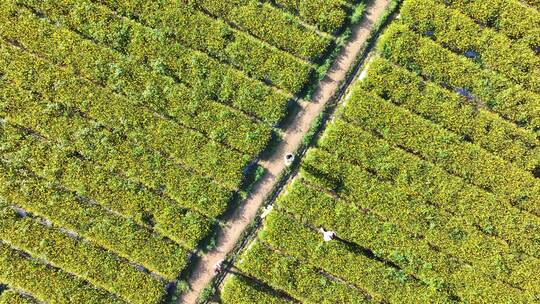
{"points": [[218, 268], [327, 235]]}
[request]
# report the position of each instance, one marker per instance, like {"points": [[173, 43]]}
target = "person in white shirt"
{"points": [[327, 235]]}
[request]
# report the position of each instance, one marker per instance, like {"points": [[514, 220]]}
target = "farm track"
{"points": [[228, 235]]}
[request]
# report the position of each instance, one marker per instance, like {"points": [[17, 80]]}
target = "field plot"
{"points": [[429, 174], [128, 128]]}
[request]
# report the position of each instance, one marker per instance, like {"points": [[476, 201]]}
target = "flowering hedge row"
{"points": [[453, 112], [206, 77], [46, 283], [455, 234], [143, 88], [510, 17], [424, 56], [110, 190], [425, 182], [101, 268], [411, 253], [53, 110], [196, 30], [269, 24], [337, 258], [92, 222], [485, 46], [12, 297], [290, 275], [238, 290], [326, 15], [446, 149]]}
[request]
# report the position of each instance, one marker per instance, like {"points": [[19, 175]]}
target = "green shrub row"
{"points": [[344, 262], [53, 114], [288, 274], [413, 255], [12, 297], [46, 283], [99, 267], [161, 94], [424, 56], [196, 30], [510, 17], [422, 181], [92, 222], [206, 76], [455, 234], [109, 190], [190, 148], [453, 112], [461, 34], [237, 290], [326, 15], [268, 24], [444, 148]]}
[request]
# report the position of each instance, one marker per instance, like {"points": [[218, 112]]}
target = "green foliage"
{"points": [[461, 34], [109, 230], [236, 48], [509, 17], [289, 274], [101, 268], [158, 93], [426, 174], [454, 112], [206, 294], [238, 290], [47, 283], [278, 29], [494, 91], [129, 199], [326, 15], [13, 297], [146, 46]]}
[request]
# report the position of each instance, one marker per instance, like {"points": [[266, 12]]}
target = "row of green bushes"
{"points": [[24, 150], [92, 222], [411, 253], [510, 17], [207, 77], [101, 268], [422, 181], [456, 234], [446, 149], [461, 34], [289, 275], [142, 88], [338, 259], [53, 114], [12, 297], [238, 290], [269, 24], [424, 56], [326, 15], [453, 112], [47, 283], [196, 30]]}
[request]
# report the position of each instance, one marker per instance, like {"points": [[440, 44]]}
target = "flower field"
{"points": [[428, 173], [129, 128]]}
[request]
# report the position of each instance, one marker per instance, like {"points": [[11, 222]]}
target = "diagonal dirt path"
{"points": [[292, 138]]}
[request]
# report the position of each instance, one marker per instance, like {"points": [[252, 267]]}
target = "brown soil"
{"points": [[292, 138]]}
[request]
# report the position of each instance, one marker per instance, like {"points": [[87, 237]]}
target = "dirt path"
{"points": [[228, 235]]}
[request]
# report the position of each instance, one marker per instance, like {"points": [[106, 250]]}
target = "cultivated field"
{"points": [[429, 173], [129, 128]]}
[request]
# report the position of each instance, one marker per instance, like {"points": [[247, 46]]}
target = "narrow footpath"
{"points": [[229, 235]]}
